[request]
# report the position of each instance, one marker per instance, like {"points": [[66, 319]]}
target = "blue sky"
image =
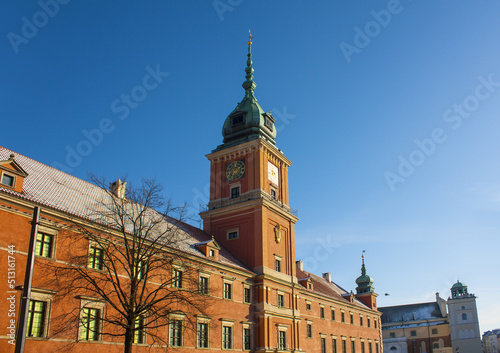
{"points": [[388, 110]]}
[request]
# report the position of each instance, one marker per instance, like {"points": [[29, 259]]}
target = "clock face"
{"points": [[235, 170], [272, 173]]}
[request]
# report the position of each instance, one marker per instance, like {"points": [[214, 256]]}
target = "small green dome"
{"points": [[248, 121], [458, 285], [459, 289], [364, 282]]}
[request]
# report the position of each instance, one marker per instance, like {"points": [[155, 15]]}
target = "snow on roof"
{"points": [[51, 188], [410, 312]]}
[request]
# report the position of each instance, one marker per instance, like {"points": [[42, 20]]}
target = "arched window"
{"points": [[393, 348], [464, 316]]}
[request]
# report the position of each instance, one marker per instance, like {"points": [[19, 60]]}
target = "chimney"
{"points": [[327, 276], [118, 188], [300, 265]]}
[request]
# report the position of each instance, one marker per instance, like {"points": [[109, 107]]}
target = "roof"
{"points": [[324, 287], [51, 188], [410, 312]]}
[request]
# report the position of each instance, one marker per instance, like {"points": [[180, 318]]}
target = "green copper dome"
{"points": [[248, 121], [458, 289], [459, 285], [364, 282]]}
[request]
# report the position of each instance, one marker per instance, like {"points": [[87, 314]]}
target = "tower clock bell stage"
{"points": [[249, 210]]}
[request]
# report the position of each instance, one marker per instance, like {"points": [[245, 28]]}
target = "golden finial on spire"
{"points": [[250, 37]]}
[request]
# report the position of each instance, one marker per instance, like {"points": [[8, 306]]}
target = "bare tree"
{"points": [[128, 259]]}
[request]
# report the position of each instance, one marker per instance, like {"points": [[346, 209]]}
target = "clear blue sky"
{"points": [[389, 111]]}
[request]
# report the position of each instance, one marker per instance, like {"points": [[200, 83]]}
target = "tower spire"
{"points": [[364, 282], [249, 85], [363, 268]]}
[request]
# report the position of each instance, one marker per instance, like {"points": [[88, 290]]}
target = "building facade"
{"points": [[260, 297], [491, 341], [436, 327]]}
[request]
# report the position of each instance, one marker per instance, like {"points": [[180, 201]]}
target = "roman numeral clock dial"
{"points": [[235, 170]]}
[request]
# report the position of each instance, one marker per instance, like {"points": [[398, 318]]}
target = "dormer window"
{"points": [[11, 174], [8, 180], [237, 120], [268, 121]]}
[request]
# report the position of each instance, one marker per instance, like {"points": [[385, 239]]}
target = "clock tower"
{"points": [[249, 212]]}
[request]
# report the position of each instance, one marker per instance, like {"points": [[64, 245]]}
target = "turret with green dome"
{"points": [[248, 121], [458, 289], [364, 282]]}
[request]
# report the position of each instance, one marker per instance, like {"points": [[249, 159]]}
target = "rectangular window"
{"points": [[363, 347], [434, 331], [352, 318], [368, 322], [322, 312], [344, 346], [413, 333], [228, 291], [139, 333], [342, 317], [370, 347], [8, 180], [177, 278], [212, 253], [176, 333], [202, 335], [227, 337], [277, 265], [203, 285], [333, 314], [246, 295], [273, 194], [308, 306], [323, 345], [361, 321], [96, 257], [235, 192], [375, 323], [281, 300], [232, 235], [282, 341], [90, 324], [43, 245], [334, 345], [376, 348], [353, 347], [309, 330], [36, 318], [247, 339], [392, 335]]}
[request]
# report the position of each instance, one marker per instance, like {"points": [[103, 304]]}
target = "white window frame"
{"points": [[227, 323], [234, 186], [203, 320], [176, 316], [233, 230], [42, 296], [247, 326], [91, 303], [52, 232], [13, 180]]}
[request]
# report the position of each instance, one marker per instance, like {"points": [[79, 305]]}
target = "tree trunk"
{"points": [[129, 340]]}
